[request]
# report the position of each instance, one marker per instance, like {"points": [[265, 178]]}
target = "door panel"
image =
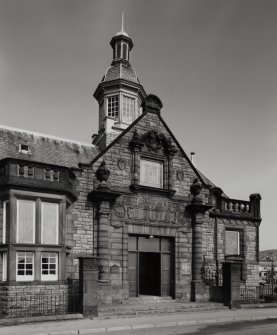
{"points": [[166, 274], [132, 273]]}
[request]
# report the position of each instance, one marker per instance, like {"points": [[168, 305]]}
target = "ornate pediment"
{"points": [[154, 142]]}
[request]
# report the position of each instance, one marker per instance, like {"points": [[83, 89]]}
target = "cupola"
{"points": [[119, 94]]}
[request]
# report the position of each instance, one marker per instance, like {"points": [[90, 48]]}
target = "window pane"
{"points": [[49, 268], [232, 242], [49, 222], [25, 221], [118, 47], [151, 173], [25, 266], [128, 110], [124, 50], [4, 266], [6, 220], [113, 106]]}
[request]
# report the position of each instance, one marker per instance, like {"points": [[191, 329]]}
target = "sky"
{"points": [[213, 64]]}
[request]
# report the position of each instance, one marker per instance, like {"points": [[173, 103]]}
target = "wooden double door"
{"points": [[150, 266]]}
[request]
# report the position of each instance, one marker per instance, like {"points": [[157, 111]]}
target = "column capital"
{"points": [[198, 208], [104, 208]]}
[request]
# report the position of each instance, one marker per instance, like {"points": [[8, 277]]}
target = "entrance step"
{"points": [[155, 305], [148, 299]]}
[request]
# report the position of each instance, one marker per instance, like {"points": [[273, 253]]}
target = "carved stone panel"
{"points": [[149, 209]]}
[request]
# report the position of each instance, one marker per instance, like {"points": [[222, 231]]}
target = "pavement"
{"points": [[98, 325]]}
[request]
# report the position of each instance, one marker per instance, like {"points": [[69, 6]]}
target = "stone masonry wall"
{"points": [[79, 226], [249, 231], [32, 300]]}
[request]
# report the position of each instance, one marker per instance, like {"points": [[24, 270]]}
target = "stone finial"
{"points": [[195, 190], [152, 104], [102, 174]]}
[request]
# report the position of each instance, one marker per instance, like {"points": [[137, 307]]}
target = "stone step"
{"points": [[158, 307], [146, 299]]}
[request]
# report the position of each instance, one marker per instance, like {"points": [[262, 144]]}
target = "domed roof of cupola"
{"points": [[121, 70], [122, 33]]}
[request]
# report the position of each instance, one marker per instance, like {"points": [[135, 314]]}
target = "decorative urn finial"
{"points": [[102, 174], [195, 190]]}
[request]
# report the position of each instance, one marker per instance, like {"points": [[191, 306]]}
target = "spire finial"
{"points": [[122, 21], [122, 32]]}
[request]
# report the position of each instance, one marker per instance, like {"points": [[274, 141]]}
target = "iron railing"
{"points": [[212, 274], [42, 302], [258, 294]]}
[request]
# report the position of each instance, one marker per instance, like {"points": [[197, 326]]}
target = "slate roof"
{"points": [[44, 148], [121, 71]]}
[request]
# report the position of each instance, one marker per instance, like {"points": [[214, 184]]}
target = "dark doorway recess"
{"points": [[149, 274], [151, 265]]}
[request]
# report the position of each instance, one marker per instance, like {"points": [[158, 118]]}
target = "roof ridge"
{"points": [[45, 135]]}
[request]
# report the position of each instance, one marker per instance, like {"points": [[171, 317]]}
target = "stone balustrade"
{"points": [[238, 208], [15, 172], [235, 206]]}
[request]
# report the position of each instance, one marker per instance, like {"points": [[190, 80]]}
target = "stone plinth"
{"points": [[89, 268]]}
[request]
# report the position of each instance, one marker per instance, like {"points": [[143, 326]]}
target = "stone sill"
{"points": [[154, 190]]}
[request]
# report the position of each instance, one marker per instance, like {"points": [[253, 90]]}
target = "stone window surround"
{"points": [[160, 169], [240, 258], [11, 247], [241, 240], [167, 174]]}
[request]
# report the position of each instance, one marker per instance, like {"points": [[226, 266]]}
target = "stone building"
{"points": [[133, 201]]}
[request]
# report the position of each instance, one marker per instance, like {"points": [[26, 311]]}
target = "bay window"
{"points": [[37, 240]]}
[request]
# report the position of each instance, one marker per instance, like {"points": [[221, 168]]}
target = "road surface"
{"points": [[267, 327]]}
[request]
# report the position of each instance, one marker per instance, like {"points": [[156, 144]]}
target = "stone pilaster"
{"points": [[197, 285], [197, 209], [197, 246], [103, 241]]}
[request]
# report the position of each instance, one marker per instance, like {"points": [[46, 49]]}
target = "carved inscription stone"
{"points": [[149, 208]]}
